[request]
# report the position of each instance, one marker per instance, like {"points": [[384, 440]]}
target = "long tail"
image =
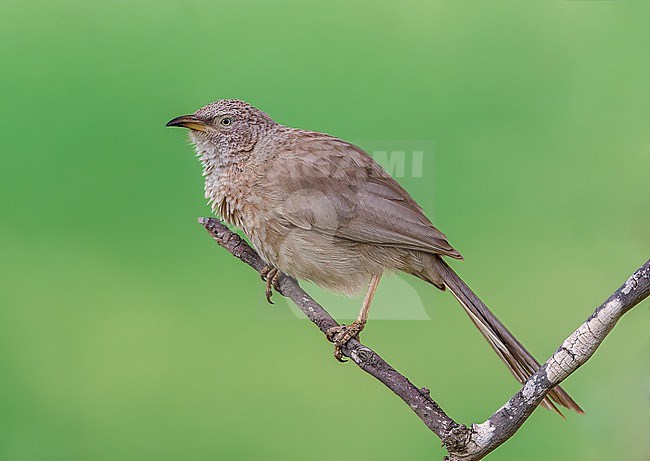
{"points": [[520, 362]]}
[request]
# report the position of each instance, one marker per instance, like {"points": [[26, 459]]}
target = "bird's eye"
{"points": [[226, 121]]}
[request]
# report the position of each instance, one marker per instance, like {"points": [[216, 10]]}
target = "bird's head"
{"points": [[228, 127]]}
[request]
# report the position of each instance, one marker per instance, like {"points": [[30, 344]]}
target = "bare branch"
{"points": [[461, 442], [573, 353]]}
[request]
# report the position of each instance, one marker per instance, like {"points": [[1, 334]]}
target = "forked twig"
{"points": [[461, 442]]}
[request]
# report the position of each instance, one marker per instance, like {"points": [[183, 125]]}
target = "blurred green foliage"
{"points": [[127, 334]]}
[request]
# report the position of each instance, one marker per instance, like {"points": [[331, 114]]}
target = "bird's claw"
{"points": [[341, 334], [271, 276]]}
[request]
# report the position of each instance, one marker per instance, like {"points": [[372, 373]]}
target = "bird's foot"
{"points": [[341, 334], [271, 276]]}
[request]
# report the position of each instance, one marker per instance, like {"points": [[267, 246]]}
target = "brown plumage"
{"points": [[320, 209]]}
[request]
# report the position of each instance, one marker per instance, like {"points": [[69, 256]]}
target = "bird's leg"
{"points": [[341, 334], [271, 276]]}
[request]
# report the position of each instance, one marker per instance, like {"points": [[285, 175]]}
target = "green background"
{"points": [[127, 334]]}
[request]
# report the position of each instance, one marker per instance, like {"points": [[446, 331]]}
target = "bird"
{"points": [[318, 208]]}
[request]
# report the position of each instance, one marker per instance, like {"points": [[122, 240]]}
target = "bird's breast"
{"points": [[231, 195]]}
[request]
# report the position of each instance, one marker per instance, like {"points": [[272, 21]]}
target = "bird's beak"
{"points": [[188, 121]]}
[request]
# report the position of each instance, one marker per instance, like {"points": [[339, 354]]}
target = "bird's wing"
{"points": [[333, 187]]}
